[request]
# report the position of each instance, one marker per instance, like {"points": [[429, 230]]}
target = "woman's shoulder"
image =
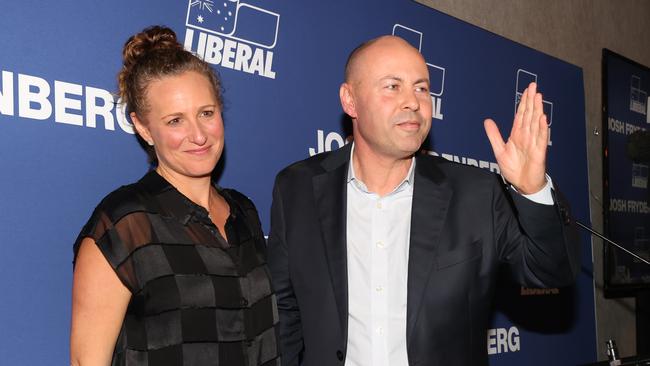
{"points": [[118, 225], [123, 201], [127, 199]]}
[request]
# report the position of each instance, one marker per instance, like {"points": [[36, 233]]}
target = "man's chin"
{"points": [[411, 148], [405, 154]]}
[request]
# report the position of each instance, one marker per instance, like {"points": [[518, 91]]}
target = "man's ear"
{"points": [[347, 100], [142, 130]]}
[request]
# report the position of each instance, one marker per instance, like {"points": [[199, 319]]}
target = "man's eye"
{"points": [[422, 89], [207, 113], [174, 121]]}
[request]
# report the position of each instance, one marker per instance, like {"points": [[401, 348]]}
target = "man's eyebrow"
{"points": [[392, 77], [397, 78]]}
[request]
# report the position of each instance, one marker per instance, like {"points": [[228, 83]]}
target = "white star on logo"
{"points": [[199, 19]]}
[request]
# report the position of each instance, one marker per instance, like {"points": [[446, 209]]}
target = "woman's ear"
{"points": [[141, 129]]}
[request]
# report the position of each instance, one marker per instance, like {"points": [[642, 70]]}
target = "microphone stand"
{"points": [[641, 301], [611, 242]]}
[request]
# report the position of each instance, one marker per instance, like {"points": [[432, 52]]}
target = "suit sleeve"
{"points": [[290, 330], [538, 241]]}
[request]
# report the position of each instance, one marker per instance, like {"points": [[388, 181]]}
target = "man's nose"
{"points": [[410, 100]]}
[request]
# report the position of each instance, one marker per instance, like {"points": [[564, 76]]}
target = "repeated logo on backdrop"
{"points": [[436, 73], [233, 34]]}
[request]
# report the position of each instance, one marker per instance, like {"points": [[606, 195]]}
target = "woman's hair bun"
{"points": [[150, 39]]}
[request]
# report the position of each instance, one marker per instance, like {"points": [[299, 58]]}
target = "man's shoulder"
{"points": [[314, 165], [453, 170]]}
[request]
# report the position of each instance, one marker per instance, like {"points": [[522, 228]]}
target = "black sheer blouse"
{"points": [[196, 299]]}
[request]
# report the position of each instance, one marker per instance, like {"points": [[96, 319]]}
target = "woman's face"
{"points": [[184, 124]]}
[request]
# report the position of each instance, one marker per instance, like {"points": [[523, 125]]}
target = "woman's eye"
{"points": [[173, 121]]}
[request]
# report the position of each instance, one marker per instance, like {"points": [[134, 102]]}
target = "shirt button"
{"points": [[379, 205], [243, 302], [339, 355], [380, 244], [380, 330], [379, 289]]}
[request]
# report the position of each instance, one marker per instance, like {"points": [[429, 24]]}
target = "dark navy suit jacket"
{"points": [[464, 224]]}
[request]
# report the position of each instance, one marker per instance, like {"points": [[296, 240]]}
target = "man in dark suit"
{"points": [[380, 256]]}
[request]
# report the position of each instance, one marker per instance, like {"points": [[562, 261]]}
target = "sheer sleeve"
{"points": [[118, 233]]}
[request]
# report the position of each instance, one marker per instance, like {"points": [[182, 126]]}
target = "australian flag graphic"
{"points": [[236, 20], [214, 15]]}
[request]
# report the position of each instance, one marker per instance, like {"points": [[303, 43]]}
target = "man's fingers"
{"points": [[542, 135], [522, 103], [532, 92], [530, 106], [521, 109], [537, 115], [493, 134], [538, 108]]}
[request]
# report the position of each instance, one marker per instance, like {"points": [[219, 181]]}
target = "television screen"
{"points": [[626, 139]]}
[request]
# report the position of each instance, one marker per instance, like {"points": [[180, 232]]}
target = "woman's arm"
{"points": [[99, 302]]}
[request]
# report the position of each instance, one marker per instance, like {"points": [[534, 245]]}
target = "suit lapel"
{"points": [[330, 196], [431, 196]]}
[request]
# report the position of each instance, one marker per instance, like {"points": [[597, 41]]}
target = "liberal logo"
{"points": [[639, 175], [233, 35], [523, 79], [436, 73], [638, 96]]}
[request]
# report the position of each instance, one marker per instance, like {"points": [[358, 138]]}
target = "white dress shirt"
{"points": [[378, 236], [378, 233]]}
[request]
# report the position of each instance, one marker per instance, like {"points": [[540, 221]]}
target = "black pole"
{"points": [[611, 242], [642, 297]]}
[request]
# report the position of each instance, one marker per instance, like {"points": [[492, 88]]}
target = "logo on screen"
{"points": [[638, 97], [233, 34], [436, 73], [639, 175], [523, 79], [641, 242]]}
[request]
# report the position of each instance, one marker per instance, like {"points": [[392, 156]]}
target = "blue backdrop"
{"points": [[64, 144]]}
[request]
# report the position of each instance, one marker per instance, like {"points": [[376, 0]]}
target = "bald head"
{"points": [[386, 95], [383, 45]]}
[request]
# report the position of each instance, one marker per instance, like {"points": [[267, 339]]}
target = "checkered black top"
{"points": [[196, 299]]}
